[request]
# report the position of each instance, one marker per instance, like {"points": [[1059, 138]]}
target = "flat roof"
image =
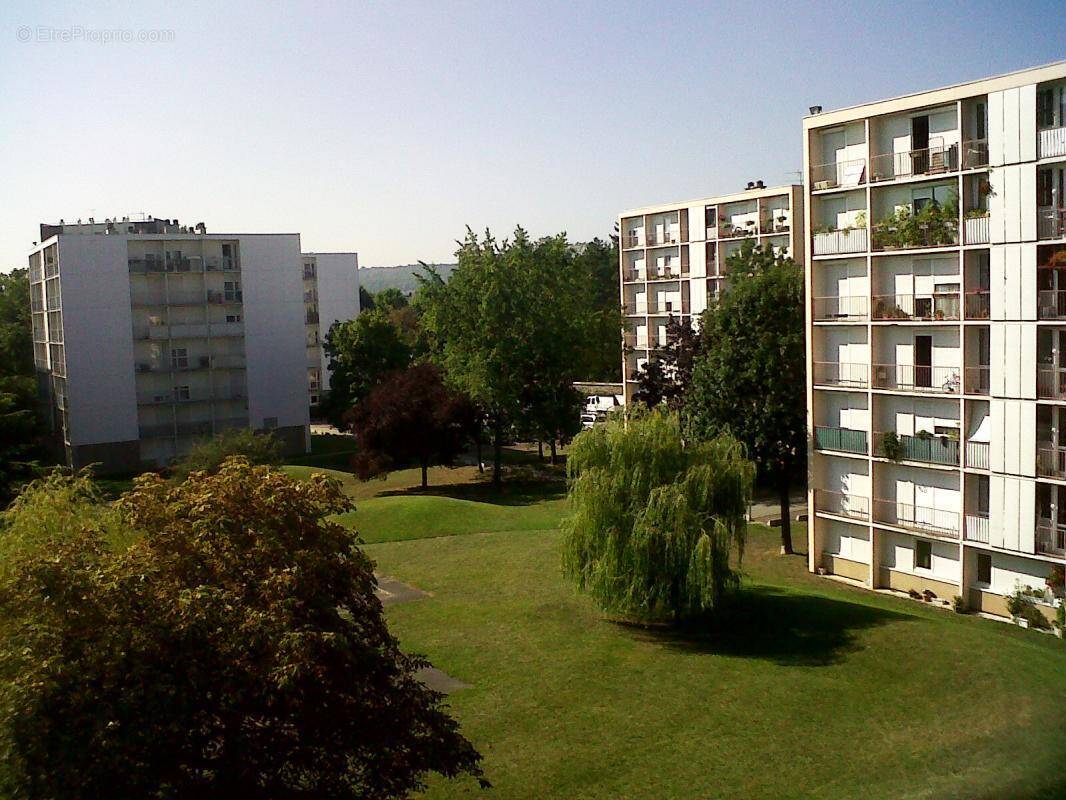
{"points": [[747, 194]]}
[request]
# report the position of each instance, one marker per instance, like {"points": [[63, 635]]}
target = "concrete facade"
{"points": [[331, 294]]}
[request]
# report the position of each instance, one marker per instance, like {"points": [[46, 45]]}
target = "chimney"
{"points": [[751, 185], [815, 110], [760, 185]]}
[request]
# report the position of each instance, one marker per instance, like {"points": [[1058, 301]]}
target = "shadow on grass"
{"points": [[771, 624], [512, 493]]}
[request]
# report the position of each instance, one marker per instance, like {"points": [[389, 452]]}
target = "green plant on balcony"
{"points": [[977, 213], [1021, 605], [892, 446], [824, 228], [1056, 580], [935, 224]]}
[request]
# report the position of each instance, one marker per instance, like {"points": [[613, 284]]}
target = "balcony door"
{"points": [[923, 361]]}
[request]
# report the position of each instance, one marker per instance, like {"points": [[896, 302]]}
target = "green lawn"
{"points": [[813, 689]]}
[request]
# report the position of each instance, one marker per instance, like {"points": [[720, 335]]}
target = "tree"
{"points": [[237, 649], [595, 268], [655, 518], [16, 341], [366, 300], [360, 352], [410, 417], [209, 454], [390, 299], [665, 379], [749, 382], [21, 445]]}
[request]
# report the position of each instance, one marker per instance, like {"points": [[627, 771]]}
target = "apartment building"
{"points": [[673, 259], [936, 339], [331, 294], [149, 335]]}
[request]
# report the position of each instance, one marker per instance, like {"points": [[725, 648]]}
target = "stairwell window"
{"points": [[923, 554]]}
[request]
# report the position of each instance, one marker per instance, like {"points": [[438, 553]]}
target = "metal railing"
{"points": [[936, 522], [975, 154], [977, 528], [885, 237], [1050, 461], [831, 243], [727, 230], [841, 504], [1051, 383], [934, 160], [978, 380], [845, 440], [978, 304], [928, 449], [633, 240], [841, 373], [1051, 304], [909, 377], [1051, 223], [654, 240], [977, 455], [836, 174], [836, 308], [1050, 538], [633, 275], [939, 306], [976, 230], [1051, 142]]}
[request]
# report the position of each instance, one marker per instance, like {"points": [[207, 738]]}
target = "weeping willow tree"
{"points": [[654, 518]]}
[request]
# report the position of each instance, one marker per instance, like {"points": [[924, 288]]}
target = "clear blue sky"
{"points": [[387, 127]]}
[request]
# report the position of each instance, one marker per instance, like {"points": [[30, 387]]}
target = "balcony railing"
{"points": [[977, 528], [841, 504], [1051, 223], [977, 304], [845, 440], [633, 275], [633, 240], [938, 522], [1051, 383], [1050, 461], [939, 306], [889, 236], [1051, 142], [838, 373], [908, 377], [845, 174], [1051, 304], [663, 240], [934, 160], [977, 455], [975, 154], [976, 230], [840, 308], [727, 230], [831, 243], [930, 450], [1050, 538], [978, 380]]}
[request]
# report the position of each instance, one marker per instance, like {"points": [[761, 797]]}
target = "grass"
{"points": [[809, 688]]}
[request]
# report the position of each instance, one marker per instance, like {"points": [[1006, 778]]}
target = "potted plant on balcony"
{"points": [[892, 446]]}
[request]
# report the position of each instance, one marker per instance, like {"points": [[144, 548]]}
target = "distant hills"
{"points": [[402, 277]]}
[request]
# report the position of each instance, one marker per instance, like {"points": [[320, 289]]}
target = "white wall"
{"points": [[897, 552], [1012, 209], [337, 276], [1012, 275], [1012, 125], [1012, 360], [1012, 513], [275, 342], [844, 540], [98, 339], [1012, 448], [1010, 571]]}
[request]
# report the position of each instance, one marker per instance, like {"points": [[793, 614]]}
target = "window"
{"points": [[1044, 188], [984, 568], [923, 554], [982, 125], [181, 393], [233, 318], [179, 358]]}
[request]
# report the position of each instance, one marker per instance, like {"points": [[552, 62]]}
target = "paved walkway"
{"points": [[766, 510]]}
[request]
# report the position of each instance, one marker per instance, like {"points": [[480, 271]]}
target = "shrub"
{"points": [[1021, 605], [236, 649], [654, 518], [208, 455], [958, 604], [892, 446]]}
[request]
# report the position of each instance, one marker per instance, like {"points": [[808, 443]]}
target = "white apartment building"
{"points": [[673, 259], [331, 294], [936, 339], [149, 335]]}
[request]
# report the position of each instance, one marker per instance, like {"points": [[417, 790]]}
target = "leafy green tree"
{"points": [[16, 341], [209, 454], [366, 300], [655, 518], [236, 649], [390, 299], [595, 268], [665, 379], [360, 352], [749, 381], [21, 446]]}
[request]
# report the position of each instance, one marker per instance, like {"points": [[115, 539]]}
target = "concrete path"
{"points": [[765, 510]]}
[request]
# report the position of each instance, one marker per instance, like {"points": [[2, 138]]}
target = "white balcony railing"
{"points": [[977, 230], [841, 373], [1051, 223], [1051, 143], [848, 307], [977, 455], [839, 174], [831, 243], [939, 522], [977, 528], [911, 378], [842, 504]]}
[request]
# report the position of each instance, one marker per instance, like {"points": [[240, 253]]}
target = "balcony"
{"points": [[837, 373], [928, 449], [664, 239], [977, 528], [833, 243], [909, 234], [978, 380], [1051, 383], [841, 504], [935, 160], [632, 240], [227, 296], [633, 276], [830, 309], [1050, 538], [1051, 223], [1051, 304], [727, 230], [844, 440], [975, 154], [928, 307], [1051, 142], [938, 523], [977, 455], [910, 378], [839, 175], [977, 304], [1050, 460], [976, 229]]}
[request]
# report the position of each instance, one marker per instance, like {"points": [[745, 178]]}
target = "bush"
{"points": [[236, 649], [655, 518], [1021, 605], [208, 455], [958, 604]]}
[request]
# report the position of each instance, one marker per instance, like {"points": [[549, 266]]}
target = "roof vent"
{"points": [[751, 185], [760, 185], [815, 110]]}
